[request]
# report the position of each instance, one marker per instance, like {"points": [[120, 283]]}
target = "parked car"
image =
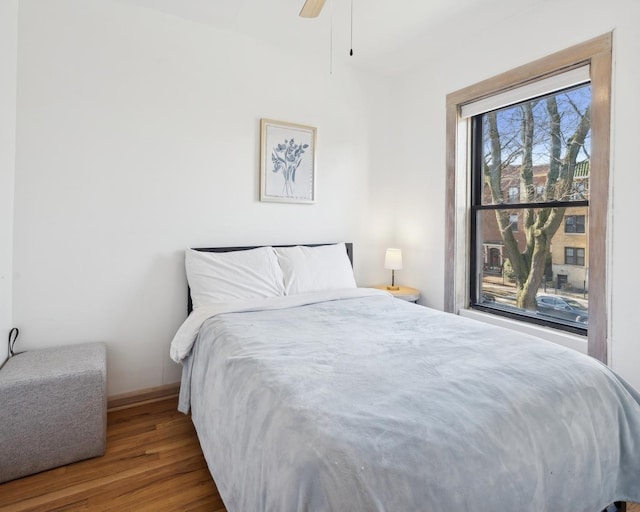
{"points": [[488, 297], [562, 307]]}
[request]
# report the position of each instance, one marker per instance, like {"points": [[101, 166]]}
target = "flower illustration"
{"points": [[287, 158]]}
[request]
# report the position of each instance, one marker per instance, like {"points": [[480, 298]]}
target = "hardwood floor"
{"points": [[153, 463]]}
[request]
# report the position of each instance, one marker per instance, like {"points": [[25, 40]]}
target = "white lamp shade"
{"points": [[393, 259]]}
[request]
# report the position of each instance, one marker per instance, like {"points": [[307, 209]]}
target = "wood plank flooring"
{"points": [[153, 463]]}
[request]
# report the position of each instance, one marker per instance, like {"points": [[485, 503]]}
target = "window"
{"points": [[513, 222], [574, 223], [516, 148], [574, 256], [535, 139]]}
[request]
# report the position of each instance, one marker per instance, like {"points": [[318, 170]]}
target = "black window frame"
{"points": [[476, 207]]}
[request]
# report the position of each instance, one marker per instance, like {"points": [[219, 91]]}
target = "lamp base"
{"points": [[393, 288]]}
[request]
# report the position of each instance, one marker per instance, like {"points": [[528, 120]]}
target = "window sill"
{"points": [[573, 341]]}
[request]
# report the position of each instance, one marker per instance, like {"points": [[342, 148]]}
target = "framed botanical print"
{"points": [[287, 162]]}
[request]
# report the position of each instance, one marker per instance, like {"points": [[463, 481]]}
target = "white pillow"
{"points": [[236, 275], [310, 269]]}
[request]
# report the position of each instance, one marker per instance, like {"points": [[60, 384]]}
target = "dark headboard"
{"points": [[348, 245]]}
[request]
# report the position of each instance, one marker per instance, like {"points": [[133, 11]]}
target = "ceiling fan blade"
{"points": [[311, 8]]}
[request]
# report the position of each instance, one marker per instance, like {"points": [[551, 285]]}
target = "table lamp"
{"points": [[393, 262]]}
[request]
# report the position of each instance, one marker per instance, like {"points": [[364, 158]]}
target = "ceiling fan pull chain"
{"points": [[351, 49]]}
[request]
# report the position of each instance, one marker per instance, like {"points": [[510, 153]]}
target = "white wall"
{"points": [[138, 136], [461, 61], [8, 53]]}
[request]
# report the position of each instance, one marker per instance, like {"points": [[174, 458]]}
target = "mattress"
{"points": [[357, 401]]}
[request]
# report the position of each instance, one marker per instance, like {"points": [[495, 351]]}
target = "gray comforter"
{"points": [[375, 404]]}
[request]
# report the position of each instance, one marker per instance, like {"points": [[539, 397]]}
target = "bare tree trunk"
{"points": [[540, 227]]}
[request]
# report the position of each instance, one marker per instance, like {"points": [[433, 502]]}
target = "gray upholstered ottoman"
{"points": [[53, 408]]}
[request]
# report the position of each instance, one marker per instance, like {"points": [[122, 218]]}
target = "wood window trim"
{"points": [[597, 53]]}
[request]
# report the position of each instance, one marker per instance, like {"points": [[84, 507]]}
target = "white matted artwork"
{"points": [[287, 162]]}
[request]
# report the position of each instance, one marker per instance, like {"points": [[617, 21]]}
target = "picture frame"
{"points": [[287, 162]]}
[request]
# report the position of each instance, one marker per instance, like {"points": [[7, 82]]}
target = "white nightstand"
{"points": [[403, 292]]}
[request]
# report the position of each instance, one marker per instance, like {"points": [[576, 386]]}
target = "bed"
{"points": [[310, 394]]}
